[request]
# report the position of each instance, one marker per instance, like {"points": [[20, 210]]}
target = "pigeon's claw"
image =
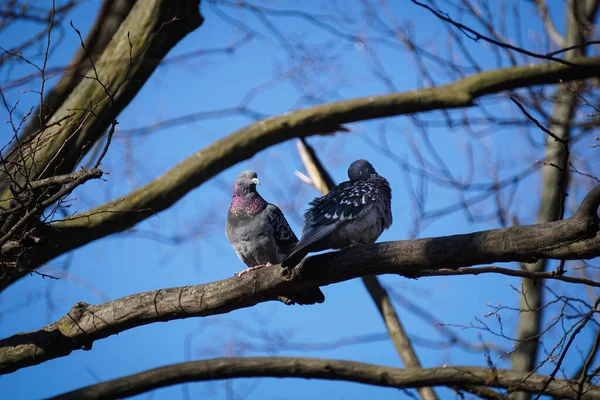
{"points": [[240, 273]]}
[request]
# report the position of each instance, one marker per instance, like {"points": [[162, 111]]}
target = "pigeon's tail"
{"points": [[314, 240], [309, 296]]}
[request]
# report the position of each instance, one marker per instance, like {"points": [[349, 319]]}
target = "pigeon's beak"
{"points": [[256, 181]]}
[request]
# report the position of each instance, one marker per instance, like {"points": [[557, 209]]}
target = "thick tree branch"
{"points": [[324, 183], [160, 194], [150, 30], [110, 16], [395, 328], [573, 238], [314, 368]]}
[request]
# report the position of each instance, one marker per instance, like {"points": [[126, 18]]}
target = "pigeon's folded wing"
{"points": [[284, 236], [346, 202]]}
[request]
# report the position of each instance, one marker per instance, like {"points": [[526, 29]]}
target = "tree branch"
{"points": [[150, 30], [336, 370], [534, 276], [121, 214], [476, 36], [553, 33], [573, 238], [110, 16]]}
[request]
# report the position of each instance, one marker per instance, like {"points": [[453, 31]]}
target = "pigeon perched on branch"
{"points": [[354, 212], [259, 233]]}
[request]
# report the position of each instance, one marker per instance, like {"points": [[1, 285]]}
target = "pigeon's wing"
{"points": [[345, 202], [285, 238]]}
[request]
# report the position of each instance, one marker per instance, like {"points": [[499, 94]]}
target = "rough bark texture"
{"points": [[160, 194], [552, 200], [110, 16], [338, 370], [142, 40], [574, 238]]}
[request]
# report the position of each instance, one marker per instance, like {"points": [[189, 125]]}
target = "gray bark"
{"points": [[110, 16], [337, 370]]}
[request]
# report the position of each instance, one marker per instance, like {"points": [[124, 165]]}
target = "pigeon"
{"points": [[259, 232], [354, 212]]}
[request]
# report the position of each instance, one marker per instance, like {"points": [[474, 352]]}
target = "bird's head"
{"points": [[360, 170], [246, 182]]}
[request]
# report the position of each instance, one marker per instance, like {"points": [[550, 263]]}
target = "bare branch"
{"points": [[548, 24], [533, 275], [552, 376], [68, 178], [573, 238], [477, 36], [75, 180], [314, 368]]}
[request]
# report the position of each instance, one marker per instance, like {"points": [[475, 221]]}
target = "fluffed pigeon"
{"points": [[259, 233], [352, 213]]}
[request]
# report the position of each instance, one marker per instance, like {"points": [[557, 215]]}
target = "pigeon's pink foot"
{"points": [[252, 269]]}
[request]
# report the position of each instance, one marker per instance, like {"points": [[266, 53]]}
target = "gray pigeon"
{"points": [[259, 233], [352, 213]]}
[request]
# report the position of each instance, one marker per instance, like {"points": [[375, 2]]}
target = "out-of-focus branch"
{"points": [[324, 183], [556, 37], [477, 36], [396, 329], [319, 176], [314, 368], [121, 214]]}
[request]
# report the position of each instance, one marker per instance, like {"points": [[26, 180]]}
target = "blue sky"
{"points": [[147, 257]]}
